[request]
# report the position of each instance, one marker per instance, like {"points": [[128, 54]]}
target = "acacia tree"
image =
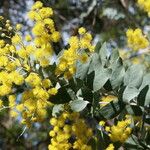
{"points": [[87, 97]]}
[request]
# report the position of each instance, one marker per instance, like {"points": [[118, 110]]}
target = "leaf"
{"points": [[113, 14], [144, 96], [117, 77], [103, 137], [50, 69], [134, 76], [117, 74], [114, 56], [103, 53], [82, 69], [87, 94], [107, 86], [146, 81], [61, 97], [97, 47], [71, 94], [93, 143], [57, 109], [111, 110], [130, 93], [95, 102], [134, 110], [90, 80], [79, 83], [101, 77], [132, 143], [95, 63], [78, 105]]}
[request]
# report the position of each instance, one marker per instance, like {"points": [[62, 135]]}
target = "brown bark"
{"points": [[6, 6]]}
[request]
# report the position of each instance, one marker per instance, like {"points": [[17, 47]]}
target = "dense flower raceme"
{"points": [[119, 132], [77, 45], [17, 63], [69, 131], [145, 5], [136, 40]]}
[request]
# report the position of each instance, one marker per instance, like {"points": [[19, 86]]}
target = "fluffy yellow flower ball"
{"points": [[136, 40]]}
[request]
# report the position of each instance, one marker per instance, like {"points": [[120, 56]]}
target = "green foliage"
{"points": [[78, 105], [106, 73]]}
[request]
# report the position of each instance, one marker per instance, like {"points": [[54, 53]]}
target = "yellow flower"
{"points": [[20, 107], [12, 49], [13, 113], [38, 29], [82, 30], [41, 114], [32, 15], [107, 129], [12, 100], [53, 121], [121, 131], [2, 43], [16, 39], [5, 89], [17, 78], [55, 36], [46, 83], [28, 38], [62, 65], [1, 103], [52, 91], [33, 79], [37, 5], [145, 5], [3, 61], [49, 24], [110, 147], [102, 123], [18, 27], [40, 93], [52, 133], [136, 40], [44, 62], [46, 12], [67, 62], [67, 128], [62, 132], [22, 53]]}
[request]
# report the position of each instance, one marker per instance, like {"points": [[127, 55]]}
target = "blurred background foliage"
{"points": [[107, 20]]}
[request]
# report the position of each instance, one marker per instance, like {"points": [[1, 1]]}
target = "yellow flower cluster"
{"points": [[69, 132], [120, 132], [136, 40], [145, 5], [9, 75], [34, 101], [19, 59], [17, 62], [7, 80], [76, 51], [44, 32]]}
